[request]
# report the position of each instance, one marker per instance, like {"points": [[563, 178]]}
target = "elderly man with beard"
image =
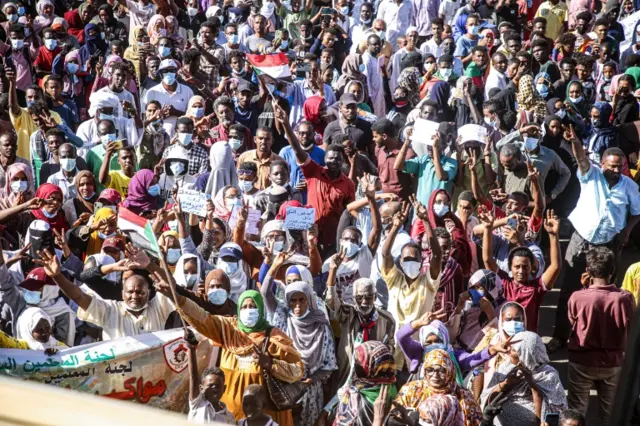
{"points": [[359, 323], [329, 191], [134, 315]]}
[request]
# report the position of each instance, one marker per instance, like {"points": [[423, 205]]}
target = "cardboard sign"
{"points": [[253, 220], [192, 201], [472, 132], [300, 218]]}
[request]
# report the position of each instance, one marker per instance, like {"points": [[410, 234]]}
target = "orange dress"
{"points": [[237, 351]]}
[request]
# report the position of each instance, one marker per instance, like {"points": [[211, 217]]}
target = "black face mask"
{"points": [[40, 241]]}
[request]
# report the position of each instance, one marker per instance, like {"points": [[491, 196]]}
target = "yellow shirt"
{"points": [[9, 342], [631, 281], [25, 127], [408, 302], [119, 182], [556, 16]]}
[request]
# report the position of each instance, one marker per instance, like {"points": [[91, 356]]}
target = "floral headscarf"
{"points": [[528, 97], [441, 410], [438, 329], [409, 79]]}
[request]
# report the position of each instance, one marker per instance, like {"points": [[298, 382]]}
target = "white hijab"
{"points": [[223, 168], [27, 321], [180, 276], [238, 279]]}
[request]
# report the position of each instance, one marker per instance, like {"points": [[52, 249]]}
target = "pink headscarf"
{"points": [[71, 83], [154, 35], [7, 197]]}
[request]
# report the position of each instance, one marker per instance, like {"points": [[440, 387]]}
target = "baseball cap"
{"points": [[113, 242], [348, 99], [36, 279], [168, 63], [230, 252]]}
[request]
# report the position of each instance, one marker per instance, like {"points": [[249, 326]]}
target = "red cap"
{"points": [[36, 279]]}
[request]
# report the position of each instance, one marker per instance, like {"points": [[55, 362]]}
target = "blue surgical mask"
{"points": [[350, 248], [474, 29], [542, 89], [50, 43], [191, 279], [278, 246], [185, 138], [530, 144], [249, 317], [18, 186], [12, 18], [513, 327], [476, 295], [561, 113], [164, 51], [17, 44], [235, 144], [440, 209], [48, 215], [228, 268], [233, 38], [218, 296], [344, 10], [169, 78], [154, 190], [198, 112], [575, 100], [284, 44], [89, 197], [173, 255], [362, 68], [21, 11], [31, 297], [105, 236], [245, 185], [72, 68], [109, 117]]}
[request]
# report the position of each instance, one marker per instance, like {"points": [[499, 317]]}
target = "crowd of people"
{"points": [[415, 297]]}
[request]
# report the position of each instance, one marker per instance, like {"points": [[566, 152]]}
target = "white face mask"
{"points": [[68, 164], [440, 209], [249, 317], [411, 268], [217, 296], [185, 138], [192, 11], [245, 185], [18, 186], [446, 72], [351, 248]]}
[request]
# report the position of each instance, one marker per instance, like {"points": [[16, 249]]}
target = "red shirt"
{"points": [[601, 317], [399, 183], [529, 295], [329, 198]]}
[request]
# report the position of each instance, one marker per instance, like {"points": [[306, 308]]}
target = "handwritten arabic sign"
{"points": [[300, 218], [192, 201], [253, 220], [148, 369], [472, 132]]}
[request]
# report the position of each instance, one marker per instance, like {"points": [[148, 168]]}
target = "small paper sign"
{"points": [[300, 218], [253, 220], [472, 132], [192, 201], [424, 130]]}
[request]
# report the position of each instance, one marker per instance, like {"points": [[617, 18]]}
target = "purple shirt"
{"points": [[424, 11], [415, 351]]}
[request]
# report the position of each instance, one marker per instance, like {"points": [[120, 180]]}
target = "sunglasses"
{"points": [[243, 172]]}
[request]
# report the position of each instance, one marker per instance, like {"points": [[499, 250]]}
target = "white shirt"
{"points": [[398, 19], [494, 79], [167, 183], [116, 321], [202, 412], [430, 46], [178, 99], [359, 33], [124, 95], [349, 271], [448, 8], [68, 188], [401, 240], [88, 132]]}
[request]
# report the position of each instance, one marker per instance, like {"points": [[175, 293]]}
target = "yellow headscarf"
{"points": [[95, 242]]}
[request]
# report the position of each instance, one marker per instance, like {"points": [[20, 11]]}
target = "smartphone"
{"points": [[512, 223], [118, 144], [552, 419], [327, 11]]}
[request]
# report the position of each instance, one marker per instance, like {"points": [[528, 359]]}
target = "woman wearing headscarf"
{"points": [[213, 296], [78, 18], [143, 192], [45, 9], [531, 106], [173, 32], [554, 139], [35, 329], [225, 200], [440, 93], [215, 234], [18, 187], [156, 28], [439, 374], [625, 105], [441, 216], [472, 324], [603, 134], [441, 410], [434, 335], [51, 212], [94, 44], [533, 387], [314, 111], [223, 171], [112, 28], [102, 271], [308, 327], [230, 261], [352, 70], [410, 79], [81, 207], [133, 53], [467, 102], [239, 337], [74, 78], [373, 368], [578, 104]]}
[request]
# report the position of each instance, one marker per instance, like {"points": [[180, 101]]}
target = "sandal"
{"points": [[555, 344]]}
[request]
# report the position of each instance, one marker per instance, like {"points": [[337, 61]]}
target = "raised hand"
{"points": [[34, 204], [420, 210], [161, 285], [486, 217], [552, 223], [190, 338], [380, 406], [533, 173], [501, 347], [84, 218], [338, 258], [401, 217], [137, 256], [19, 255], [60, 239], [282, 257], [50, 263], [368, 186]]}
